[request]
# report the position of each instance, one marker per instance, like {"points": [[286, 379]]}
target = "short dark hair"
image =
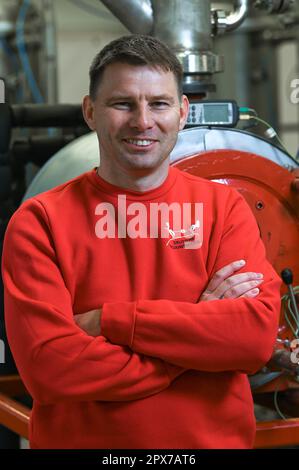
{"points": [[135, 49]]}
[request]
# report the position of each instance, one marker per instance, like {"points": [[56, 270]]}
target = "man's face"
{"points": [[137, 115]]}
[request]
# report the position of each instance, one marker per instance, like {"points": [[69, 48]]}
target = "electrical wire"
{"points": [[256, 118], [277, 409], [288, 310], [294, 326], [20, 42], [243, 109], [276, 135]]}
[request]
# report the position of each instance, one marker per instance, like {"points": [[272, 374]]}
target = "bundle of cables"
{"points": [[246, 114]]}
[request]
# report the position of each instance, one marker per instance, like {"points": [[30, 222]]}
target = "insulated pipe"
{"points": [[136, 15], [44, 115]]}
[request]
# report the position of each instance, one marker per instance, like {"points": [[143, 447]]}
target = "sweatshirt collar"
{"points": [[114, 191]]}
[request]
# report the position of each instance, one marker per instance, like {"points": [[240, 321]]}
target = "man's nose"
{"points": [[142, 118]]}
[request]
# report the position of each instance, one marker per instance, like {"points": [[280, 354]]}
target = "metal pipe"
{"points": [[232, 21], [238, 15], [49, 53], [184, 26], [136, 15], [241, 53]]}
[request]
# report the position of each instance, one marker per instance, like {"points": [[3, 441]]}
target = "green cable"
{"points": [[286, 301], [247, 110], [276, 135], [295, 332], [276, 405]]}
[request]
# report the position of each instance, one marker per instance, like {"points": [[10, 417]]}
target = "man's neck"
{"points": [[136, 181]]}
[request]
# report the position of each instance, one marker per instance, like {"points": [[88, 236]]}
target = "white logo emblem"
{"points": [[190, 238]]}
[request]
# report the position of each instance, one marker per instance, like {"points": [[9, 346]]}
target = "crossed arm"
{"points": [[233, 325], [228, 329], [225, 284], [131, 350]]}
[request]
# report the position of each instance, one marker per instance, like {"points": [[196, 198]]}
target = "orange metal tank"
{"points": [[270, 191]]}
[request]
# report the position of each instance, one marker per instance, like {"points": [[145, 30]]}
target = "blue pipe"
{"points": [[37, 96]]}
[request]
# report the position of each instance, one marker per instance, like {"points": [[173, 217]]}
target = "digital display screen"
{"points": [[216, 113]]}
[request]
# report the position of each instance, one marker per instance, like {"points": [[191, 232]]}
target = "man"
{"points": [[138, 297]]}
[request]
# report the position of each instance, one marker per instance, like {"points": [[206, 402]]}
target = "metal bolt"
{"points": [[259, 205]]}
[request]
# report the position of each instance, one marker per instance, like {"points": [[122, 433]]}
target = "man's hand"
{"points": [[223, 285], [226, 285], [90, 322]]}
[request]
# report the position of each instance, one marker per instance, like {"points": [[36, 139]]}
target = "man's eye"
{"points": [[122, 105], [160, 104]]}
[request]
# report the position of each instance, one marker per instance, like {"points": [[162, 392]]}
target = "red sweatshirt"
{"points": [[167, 371]]}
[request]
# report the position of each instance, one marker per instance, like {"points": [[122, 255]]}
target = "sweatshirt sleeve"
{"points": [[55, 358], [214, 336]]}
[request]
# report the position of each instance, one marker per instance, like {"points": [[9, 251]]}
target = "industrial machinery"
{"points": [[219, 143]]}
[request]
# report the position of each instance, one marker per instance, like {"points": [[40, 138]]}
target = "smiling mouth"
{"points": [[140, 142]]}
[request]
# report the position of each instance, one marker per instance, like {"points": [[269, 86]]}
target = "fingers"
{"points": [[223, 274], [251, 293], [227, 285], [238, 284], [242, 289]]}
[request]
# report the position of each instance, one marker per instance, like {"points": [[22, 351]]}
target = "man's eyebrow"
{"points": [[121, 97], [163, 98]]}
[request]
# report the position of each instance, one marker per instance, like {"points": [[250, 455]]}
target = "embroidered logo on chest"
{"points": [[190, 238]]}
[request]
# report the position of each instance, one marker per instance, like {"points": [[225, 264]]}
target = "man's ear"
{"points": [[184, 111], [88, 112]]}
